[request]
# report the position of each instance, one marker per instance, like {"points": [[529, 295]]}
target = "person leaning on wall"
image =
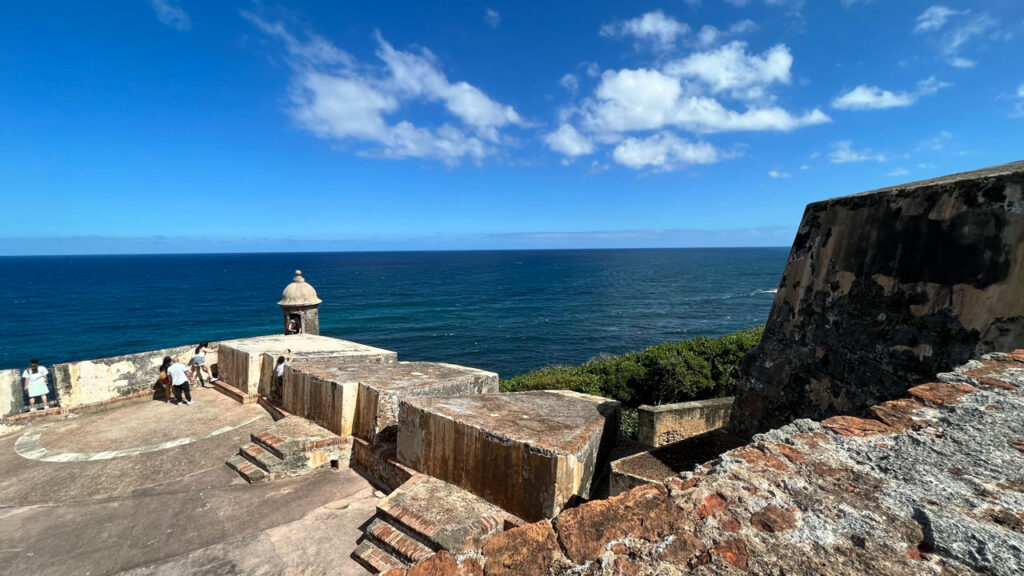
{"points": [[34, 379]]}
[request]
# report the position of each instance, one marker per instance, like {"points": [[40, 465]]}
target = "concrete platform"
{"points": [[248, 363], [143, 488], [531, 453]]}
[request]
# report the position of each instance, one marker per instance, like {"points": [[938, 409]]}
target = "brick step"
{"points": [[269, 441], [251, 472], [234, 393], [369, 555], [261, 457], [396, 542]]}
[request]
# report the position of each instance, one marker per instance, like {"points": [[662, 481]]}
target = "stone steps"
{"points": [[291, 447], [262, 457], [376, 560], [394, 540], [251, 472]]}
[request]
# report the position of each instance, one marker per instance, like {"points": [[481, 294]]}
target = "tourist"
{"points": [[34, 379], [282, 361], [180, 381], [165, 379], [199, 364], [293, 326]]}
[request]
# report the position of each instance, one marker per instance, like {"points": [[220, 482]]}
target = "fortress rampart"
{"points": [[883, 290]]}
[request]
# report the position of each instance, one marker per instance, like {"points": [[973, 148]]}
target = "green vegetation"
{"points": [[694, 369]]}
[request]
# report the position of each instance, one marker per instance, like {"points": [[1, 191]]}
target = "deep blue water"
{"points": [[506, 311]]}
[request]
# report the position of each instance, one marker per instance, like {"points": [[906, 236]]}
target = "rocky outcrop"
{"points": [[885, 289], [936, 489]]}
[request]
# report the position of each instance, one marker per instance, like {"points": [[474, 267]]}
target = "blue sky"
{"points": [[187, 126]]}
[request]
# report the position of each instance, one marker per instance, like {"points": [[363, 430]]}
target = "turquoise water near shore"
{"points": [[506, 311]]}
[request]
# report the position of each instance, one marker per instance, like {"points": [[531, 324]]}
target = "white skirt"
{"points": [[38, 388]]}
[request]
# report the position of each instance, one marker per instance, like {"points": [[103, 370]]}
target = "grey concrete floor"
{"points": [[179, 510]]}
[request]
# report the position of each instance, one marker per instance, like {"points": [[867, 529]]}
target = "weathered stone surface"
{"points": [[940, 394], [943, 499], [524, 551], [531, 453], [445, 516], [94, 381], [668, 423], [885, 289], [645, 513], [851, 426], [773, 519], [899, 415], [11, 389], [248, 363], [669, 460], [363, 399]]}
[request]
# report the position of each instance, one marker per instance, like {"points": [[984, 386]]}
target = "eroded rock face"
{"points": [[885, 289]]}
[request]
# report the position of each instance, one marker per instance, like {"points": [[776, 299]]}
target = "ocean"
{"points": [[505, 311]]}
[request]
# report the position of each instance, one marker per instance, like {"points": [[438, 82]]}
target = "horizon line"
{"points": [[371, 251]]}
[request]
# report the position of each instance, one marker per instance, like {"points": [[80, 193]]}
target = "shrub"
{"points": [[694, 369]]}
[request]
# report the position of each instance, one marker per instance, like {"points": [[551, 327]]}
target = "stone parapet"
{"points": [[105, 379], [667, 423]]}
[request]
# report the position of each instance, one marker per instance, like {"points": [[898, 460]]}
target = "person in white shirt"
{"points": [[34, 378], [282, 361], [180, 381]]}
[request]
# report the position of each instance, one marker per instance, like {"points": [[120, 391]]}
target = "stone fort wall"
{"points": [[883, 290]]}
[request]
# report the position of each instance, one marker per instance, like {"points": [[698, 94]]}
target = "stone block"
{"points": [[11, 393], [531, 453], [667, 423], [248, 363], [363, 399]]}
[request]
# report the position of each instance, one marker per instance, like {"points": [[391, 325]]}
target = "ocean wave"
{"points": [[772, 291]]}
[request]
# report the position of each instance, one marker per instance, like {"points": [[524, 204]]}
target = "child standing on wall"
{"points": [[34, 379], [199, 364]]}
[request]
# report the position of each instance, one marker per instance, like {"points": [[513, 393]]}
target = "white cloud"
{"points": [[865, 97], [805, 167], [730, 69], [950, 30], [336, 97], [936, 142], [1020, 91], [568, 141], [654, 27], [934, 18], [843, 153], [871, 98], [961, 62], [492, 17], [629, 100], [571, 83], [898, 172], [709, 35], [663, 152], [681, 94], [592, 69], [778, 174], [170, 13]]}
